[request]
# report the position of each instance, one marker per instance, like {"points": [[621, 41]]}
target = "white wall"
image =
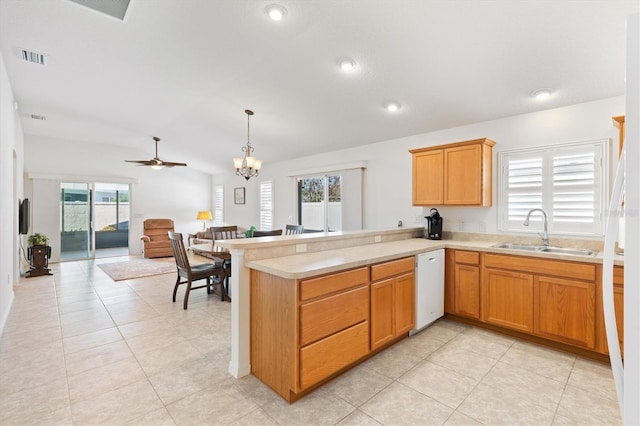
{"points": [[177, 193], [387, 178], [11, 154]]}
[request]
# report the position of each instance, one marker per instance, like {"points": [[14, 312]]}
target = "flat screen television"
{"points": [[23, 217]]}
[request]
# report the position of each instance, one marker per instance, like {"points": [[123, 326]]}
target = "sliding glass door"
{"points": [[320, 203], [94, 220]]}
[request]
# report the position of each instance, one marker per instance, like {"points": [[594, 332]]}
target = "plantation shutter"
{"points": [[266, 206], [218, 206], [567, 181]]}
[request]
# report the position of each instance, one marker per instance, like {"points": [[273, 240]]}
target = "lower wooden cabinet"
{"points": [[552, 299], [305, 331], [507, 299], [466, 284], [618, 304], [392, 301], [565, 310]]}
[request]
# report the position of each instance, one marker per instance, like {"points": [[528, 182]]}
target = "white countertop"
{"points": [[306, 265]]}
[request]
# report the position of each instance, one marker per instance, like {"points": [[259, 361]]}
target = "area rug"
{"points": [[138, 268]]}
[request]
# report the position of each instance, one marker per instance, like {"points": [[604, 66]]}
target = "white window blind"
{"points": [[567, 181], [266, 206], [218, 206]]}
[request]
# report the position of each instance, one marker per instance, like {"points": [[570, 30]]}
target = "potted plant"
{"points": [[38, 239]]}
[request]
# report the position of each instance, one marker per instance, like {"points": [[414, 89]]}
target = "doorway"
{"points": [[320, 203], [94, 220]]}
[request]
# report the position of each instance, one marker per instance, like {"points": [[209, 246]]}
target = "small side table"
{"points": [[39, 261]]}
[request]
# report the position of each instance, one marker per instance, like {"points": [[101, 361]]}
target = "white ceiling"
{"points": [[185, 70]]}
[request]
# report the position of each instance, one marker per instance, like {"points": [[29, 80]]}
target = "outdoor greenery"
{"points": [[312, 189]]}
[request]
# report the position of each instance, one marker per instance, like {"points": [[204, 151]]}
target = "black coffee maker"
{"points": [[434, 225]]}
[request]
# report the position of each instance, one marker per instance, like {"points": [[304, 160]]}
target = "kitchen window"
{"points": [[567, 181]]}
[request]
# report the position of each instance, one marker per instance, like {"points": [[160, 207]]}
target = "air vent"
{"points": [[38, 117], [36, 58]]}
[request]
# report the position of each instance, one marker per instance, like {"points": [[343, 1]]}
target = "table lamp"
{"points": [[204, 216]]}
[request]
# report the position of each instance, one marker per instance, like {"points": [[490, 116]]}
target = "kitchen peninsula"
{"points": [[304, 307]]}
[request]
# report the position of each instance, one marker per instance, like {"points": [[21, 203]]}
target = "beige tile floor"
{"points": [[81, 349]]}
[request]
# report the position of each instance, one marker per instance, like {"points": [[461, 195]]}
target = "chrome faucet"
{"points": [[545, 234]]}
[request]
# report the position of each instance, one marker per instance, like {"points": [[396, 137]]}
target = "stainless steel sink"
{"points": [[570, 251], [513, 246], [546, 249]]}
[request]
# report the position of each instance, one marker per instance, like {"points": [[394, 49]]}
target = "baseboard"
{"points": [[3, 320]]}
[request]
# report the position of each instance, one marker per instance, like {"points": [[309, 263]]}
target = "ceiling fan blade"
{"points": [[141, 162], [172, 164]]}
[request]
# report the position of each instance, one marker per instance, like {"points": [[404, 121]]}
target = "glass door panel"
{"points": [[75, 221], [111, 219]]}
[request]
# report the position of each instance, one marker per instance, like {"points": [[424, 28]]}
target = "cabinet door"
{"points": [[467, 291], [427, 178], [405, 303], [382, 312], [564, 310], [449, 281], [507, 299], [463, 175], [618, 300]]}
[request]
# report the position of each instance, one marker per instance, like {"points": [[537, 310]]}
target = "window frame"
{"points": [[600, 148]]}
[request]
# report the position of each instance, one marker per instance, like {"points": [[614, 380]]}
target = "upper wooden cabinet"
{"points": [[454, 174], [618, 121]]}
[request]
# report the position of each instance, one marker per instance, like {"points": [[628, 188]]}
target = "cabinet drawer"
{"points": [[327, 356], [468, 257], [389, 269], [576, 270], [328, 284], [321, 318]]}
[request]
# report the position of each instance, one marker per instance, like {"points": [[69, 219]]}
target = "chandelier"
{"points": [[248, 166]]}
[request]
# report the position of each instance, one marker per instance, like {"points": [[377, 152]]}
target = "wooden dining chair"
{"points": [[293, 229], [267, 233], [214, 273], [224, 232]]}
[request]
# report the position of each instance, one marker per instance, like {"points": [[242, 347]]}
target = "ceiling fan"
{"points": [[155, 162]]}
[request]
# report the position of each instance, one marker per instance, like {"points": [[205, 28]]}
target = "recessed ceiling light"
{"points": [[392, 106], [543, 93], [276, 12], [347, 64]]}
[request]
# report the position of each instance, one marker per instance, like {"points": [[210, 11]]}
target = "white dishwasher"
{"points": [[429, 288]]}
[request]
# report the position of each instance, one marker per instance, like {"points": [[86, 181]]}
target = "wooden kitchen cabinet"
{"points": [[303, 332], [392, 300], [428, 189], [618, 304], [552, 299], [466, 284], [507, 299], [564, 310], [453, 174]]}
